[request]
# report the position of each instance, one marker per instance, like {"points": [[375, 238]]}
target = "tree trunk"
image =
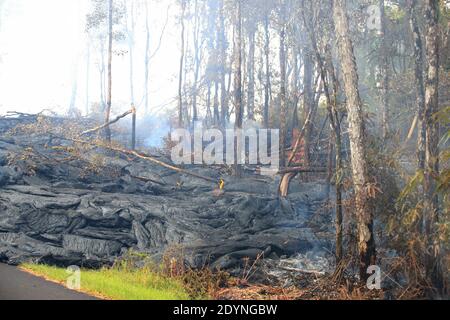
{"points": [[267, 83], [180, 82], [431, 214], [73, 98], [197, 62], [251, 75], [147, 58], [209, 117], [285, 182], [216, 104], [419, 84], [295, 87], [131, 50], [223, 62], [336, 127], [133, 127], [109, 97], [307, 99], [384, 66], [88, 69], [364, 210], [283, 102], [238, 82], [446, 48]]}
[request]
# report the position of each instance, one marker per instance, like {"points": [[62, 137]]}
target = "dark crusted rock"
{"points": [[89, 246], [142, 235], [4, 177], [61, 216]]}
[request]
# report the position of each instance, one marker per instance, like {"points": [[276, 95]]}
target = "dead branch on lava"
{"points": [[139, 155], [103, 126]]}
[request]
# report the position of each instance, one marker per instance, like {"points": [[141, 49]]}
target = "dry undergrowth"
{"points": [[237, 290]]}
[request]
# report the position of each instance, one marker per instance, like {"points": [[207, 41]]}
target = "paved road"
{"points": [[18, 285]]}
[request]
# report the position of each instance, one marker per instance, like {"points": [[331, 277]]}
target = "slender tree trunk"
{"points": [[102, 77], [197, 62], [223, 62], [251, 75], [133, 127], [336, 127], [363, 207], [88, 69], [419, 84], [131, 51], [180, 82], [446, 48], [308, 99], [267, 83], [296, 87], [309, 86], [384, 74], [73, 98], [283, 102], [110, 45], [216, 103], [238, 82], [209, 116], [147, 58], [431, 214]]}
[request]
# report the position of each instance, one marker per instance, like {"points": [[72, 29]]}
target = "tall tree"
{"points": [[418, 82], [214, 63], [110, 55], [180, 76], [308, 99], [283, 97], [102, 71], [431, 214], [130, 24], [238, 80], [363, 206], [251, 70], [147, 57], [330, 85], [223, 62], [309, 104], [333, 114], [267, 84], [88, 74], [73, 98], [197, 60], [100, 21], [384, 73]]}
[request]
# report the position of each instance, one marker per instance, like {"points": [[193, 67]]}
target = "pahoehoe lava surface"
{"points": [[61, 212]]}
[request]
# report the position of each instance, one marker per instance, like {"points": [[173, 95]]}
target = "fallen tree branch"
{"points": [[103, 126], [148, 180], [141, 156], [300, 169]]}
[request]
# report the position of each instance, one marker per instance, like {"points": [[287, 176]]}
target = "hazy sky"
{"points": [[43, 52]]}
